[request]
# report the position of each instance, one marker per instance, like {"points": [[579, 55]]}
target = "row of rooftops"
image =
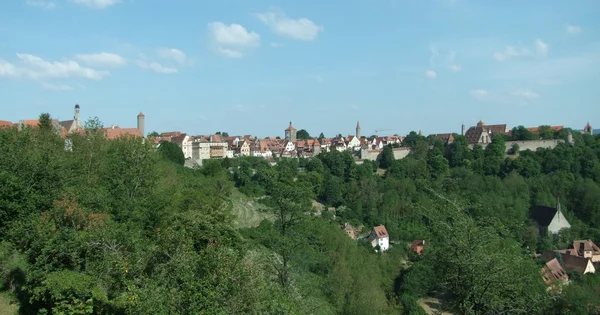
{"points": [[75, 125]]}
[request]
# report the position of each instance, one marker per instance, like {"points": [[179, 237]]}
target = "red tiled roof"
{"points": [[585, 245], [5, 123], [381, 232], [116, 132], [536, 129], [553, 271], [417, 246], [290, 127], [31, 122]]}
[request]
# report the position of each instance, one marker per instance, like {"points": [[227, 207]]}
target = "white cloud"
{"points": [[541, 47], [156, 67], [430, 74], [573, 29], [7, 69], [102, 59], [97, 4], [41, 4], [434, 54], [455, 68], [319, 79], [56, 87], [452, 63], [280, 23], [510, 52], [276, 45], [232, 40], [36, 68], [541, 50], [479, 94], [173, 54], [525, 94]]}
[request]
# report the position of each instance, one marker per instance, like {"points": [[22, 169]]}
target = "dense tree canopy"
{"points": [[115, 227]]}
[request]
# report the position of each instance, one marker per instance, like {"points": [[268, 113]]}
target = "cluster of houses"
{"points": [[75, 125], [581, 256], [217, 146]]}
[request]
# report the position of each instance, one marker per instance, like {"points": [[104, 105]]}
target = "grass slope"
{"points": [[8, 305], [248, 211]]}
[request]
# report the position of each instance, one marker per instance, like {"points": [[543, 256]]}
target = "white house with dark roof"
{"points": [[380, 237], [549, 220]]}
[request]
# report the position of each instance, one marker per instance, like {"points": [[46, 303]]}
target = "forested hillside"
{"points": [[117, 227]]}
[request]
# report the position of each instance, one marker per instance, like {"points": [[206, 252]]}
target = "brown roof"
{"points": [[116, 132], [141, 114], [350, 231], [575, 263], [179, 138], [445, 137], [586, 245], [553, 271], [536, 129], [31, 122], [290, 127], [5, 123], [170, 134], [67, 124], [417, 246], [380, 231]]}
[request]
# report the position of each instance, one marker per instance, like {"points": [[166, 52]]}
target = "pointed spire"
{"points": [[357, 124]]}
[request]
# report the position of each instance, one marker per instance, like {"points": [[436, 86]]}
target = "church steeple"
{"points": [[358, 129]]}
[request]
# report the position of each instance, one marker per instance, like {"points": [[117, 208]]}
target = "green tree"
{"points": [[171, 152], [386, 159], [302, 134]]}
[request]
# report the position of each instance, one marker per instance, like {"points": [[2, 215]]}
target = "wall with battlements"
{"points": [[531, 144], [399, 153]]}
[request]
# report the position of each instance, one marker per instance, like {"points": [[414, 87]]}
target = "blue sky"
{"points": [[251, 66]]}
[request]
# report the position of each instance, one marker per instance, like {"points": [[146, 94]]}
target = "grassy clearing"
{"points": [[433, 306], [248, 211], [8, 304]]}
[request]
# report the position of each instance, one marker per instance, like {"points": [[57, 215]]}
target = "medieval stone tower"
{"points": [[140, 123], [588, 129], [290, 133], [76, 120], [358, 129]]}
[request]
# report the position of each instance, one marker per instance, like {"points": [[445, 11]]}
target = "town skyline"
{"points": [[240, 65], [278, 131]]}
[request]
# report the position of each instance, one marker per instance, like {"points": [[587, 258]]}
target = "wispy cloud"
{"points": [[504, 96], [174, 55], [232, 40], [96, 4], [45, 4], [451, 60], [430, 74], [102, 59], [525, 94], [479, 94], [572, 29], [317, 78], [56, 87], [540, 48], [156, 67], [36, 68], [281, 24]]}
